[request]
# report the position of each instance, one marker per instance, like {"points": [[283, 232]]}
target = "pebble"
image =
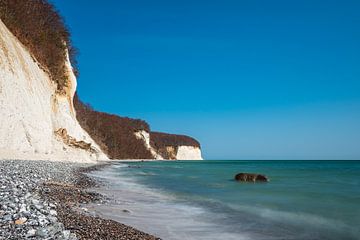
{"points": [[21, 221], [53, 212], [31, 233], [23, 213]]}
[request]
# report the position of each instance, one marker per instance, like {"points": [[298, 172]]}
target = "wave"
{"points": [[188, 216], [157, 212]]}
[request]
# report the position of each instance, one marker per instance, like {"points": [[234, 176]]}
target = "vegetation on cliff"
{"points": [[38, 25], [159, 139], [115, 135]]}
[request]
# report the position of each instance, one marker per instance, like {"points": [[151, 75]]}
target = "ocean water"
{"points": [[200, 199]]}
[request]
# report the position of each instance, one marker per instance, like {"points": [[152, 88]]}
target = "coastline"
{"points": [[44, 199], [183, 200]]}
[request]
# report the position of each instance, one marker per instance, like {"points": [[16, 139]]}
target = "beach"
{"points": [[201, 200], [178, 200], [45, 200]]}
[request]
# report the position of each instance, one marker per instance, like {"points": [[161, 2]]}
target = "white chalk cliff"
{"points": [[178, 153], [35, 121], [145, 136], [188, 153]]}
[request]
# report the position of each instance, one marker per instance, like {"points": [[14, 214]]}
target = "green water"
{"points": [[303, 200]]}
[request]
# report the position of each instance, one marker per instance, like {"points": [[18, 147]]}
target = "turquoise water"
{"points": [[303, 200]]}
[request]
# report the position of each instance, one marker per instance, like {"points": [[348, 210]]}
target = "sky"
{"points": [[249, 79]]}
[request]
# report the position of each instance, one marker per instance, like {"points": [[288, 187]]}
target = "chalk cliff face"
{"points": [[145, 136], [188, 153], [32, 112], [179, 152]]}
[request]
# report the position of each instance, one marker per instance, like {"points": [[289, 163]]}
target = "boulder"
{"points": [[251, 177]]}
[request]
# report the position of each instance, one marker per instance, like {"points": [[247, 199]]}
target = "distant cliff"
{"points": [[41, 116], [126, 138], [172, 146]]}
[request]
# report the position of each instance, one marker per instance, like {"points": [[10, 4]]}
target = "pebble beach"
{"points": [[46, 200]]}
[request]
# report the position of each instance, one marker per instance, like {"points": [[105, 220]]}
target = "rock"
{"points": [[72, 142], [32, 223], [52, 219], [72, 236], [84, 209], [26, 214], [66, 234], [20, 221], [7, 218], [31, 233], [43, 221], [251, 177], [22, 208], [37, 206], [41, 232], [28, 195], [53, 213]]}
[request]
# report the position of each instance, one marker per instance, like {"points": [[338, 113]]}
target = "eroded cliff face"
{"points": [[170, 152], [188, 153], [145, 136], [181, 153], [32, 111]]}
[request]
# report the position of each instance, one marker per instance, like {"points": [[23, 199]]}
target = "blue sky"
{"points": [[249, 79]]}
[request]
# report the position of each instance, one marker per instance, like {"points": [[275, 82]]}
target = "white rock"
{"points": [[188, 153], [145, 136], [53, 212], [31, 110], [31, 233], [183, 152]]}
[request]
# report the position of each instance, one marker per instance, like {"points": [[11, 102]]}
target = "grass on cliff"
{"points": [[39, 26]]}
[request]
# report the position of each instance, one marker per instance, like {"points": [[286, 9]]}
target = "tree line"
{"points": [[40, 28]]}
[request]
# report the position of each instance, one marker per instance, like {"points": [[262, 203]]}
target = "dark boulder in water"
{"points": [[251, 177]]}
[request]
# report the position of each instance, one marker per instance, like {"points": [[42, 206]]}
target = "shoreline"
{"points": [[47, 202]]}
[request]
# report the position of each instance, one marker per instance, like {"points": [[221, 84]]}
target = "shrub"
{"points": [[40, 28]]}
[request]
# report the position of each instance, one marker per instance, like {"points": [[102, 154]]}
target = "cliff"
{"points": [[32, 110], [177, 147], [127, 138], [41, 115]]}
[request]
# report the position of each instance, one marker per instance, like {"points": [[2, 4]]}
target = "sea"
{"points": [[201, 199]]}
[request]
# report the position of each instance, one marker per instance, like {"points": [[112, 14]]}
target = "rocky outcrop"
{"points": [[72, 142], [32, 110], [251, 177]]}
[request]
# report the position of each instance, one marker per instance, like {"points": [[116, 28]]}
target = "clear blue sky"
{"points": [[249, 79]]}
